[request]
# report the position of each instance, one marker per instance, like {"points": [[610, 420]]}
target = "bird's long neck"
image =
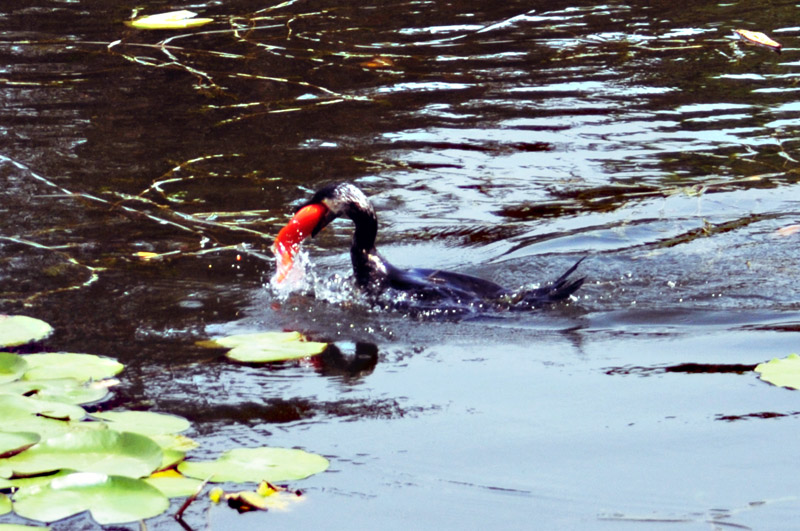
{"points": [[370, 269]]}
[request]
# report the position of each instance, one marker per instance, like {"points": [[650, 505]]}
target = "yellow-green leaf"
{"points": [[172, 20], [20, 329], [82, 367], [244, 465], [266, 347], [781, 372], [110, 499]]}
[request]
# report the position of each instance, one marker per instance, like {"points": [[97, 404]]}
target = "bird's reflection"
{"points": [[335, 362]]}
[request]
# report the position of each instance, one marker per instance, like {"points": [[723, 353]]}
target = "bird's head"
{"points": [[327, 204]]}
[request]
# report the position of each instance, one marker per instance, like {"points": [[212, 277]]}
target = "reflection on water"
{"points": [[145, 174]]}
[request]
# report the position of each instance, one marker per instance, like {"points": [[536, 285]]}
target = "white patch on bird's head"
{"points": [[346, 199]]}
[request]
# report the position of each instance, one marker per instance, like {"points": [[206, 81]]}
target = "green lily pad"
{"points": [[144, 422], [105, 451], [174, 448], [266, 347], [68, 390], [20, 407], [170, 458], [14, 442], [781, 372], [20, 527], [173, 20], [12, 366], [19, 483], [5, 504], [237, 340], [173, 484], [46, 427], [110, 499], [243, 465], [20, 329], [172, 441], [82, 367]]}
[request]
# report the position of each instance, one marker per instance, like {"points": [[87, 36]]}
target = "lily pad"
{"points": [[19, 483], [173, 484], [20, 329], [12, 366], [20, 527], [5, 504], [171, 441], [106, 451], [110, 499], [144, 422], [82, 367], [14, 442], [266, 497], [267, 347], [173, 20], [45, 427], [243, 465], [237, 340], [68, 390], [781, 372], [20, 407]]}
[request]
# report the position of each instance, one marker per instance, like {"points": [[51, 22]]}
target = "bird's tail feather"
{"points": [[559, 290]]}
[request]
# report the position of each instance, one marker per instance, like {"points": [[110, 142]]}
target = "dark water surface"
{"points": [[504, 139]]}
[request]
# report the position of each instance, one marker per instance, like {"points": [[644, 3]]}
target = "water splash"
{"points": [[297, 276]]}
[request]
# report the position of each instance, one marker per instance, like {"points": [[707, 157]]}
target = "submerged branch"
{"points": [[209, 233], [92, 278]]}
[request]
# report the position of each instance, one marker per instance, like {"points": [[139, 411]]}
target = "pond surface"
{"points": [[504, 140]]}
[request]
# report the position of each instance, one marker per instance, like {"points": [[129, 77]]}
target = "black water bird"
{"points": [[375, 275]]}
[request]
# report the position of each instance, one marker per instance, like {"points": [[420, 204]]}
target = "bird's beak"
{"points": [[308, 221]]}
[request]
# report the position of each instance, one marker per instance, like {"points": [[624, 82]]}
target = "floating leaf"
{"points": [[42, 426], [5, 504], [244, 465], [20, 407], [174, 448], [20, 329], [144, 422], [756, 37], [267, 347], [173, 484], [20, 527], [14, 442], [788, 230], [781, 372], [266, 497], [247, 339], [45, 427], [19, 483], [12, 366], [82, 367], [276, 352], [107, 451], [110, 499], [246, 501], [173, 20], [67, 390], [170, 458], [170, 441], [278, 497], [378, 62]]}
